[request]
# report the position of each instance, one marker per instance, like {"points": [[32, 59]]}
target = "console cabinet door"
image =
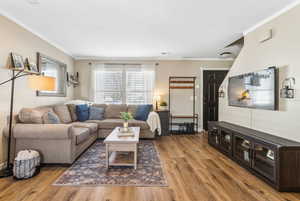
{"points": [[264, 160], [225, 141], [213, 137], [242, 149]]}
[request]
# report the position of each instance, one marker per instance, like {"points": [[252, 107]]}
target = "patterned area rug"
{"points": [[90, 169]]}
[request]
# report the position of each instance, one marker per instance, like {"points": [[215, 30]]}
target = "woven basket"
{"points": [[26, 168]]}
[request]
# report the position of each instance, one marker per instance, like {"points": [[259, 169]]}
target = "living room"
{"points": [[116, 101]]}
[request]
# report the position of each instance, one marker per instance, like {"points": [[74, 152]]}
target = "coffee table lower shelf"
{"points": [[121, 159]]}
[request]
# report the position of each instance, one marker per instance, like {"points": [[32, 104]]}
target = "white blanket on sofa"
{"points": [[154, 122]]}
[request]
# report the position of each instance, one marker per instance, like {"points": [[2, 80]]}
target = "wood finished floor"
{"points": [[194, 170]]}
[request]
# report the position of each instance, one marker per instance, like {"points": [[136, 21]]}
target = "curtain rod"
{"points": [[90, 63]]}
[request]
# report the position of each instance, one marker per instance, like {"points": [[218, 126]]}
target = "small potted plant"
{"points": [[126, 116], [163, 105]]}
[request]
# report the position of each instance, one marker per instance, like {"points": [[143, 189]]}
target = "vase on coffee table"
{"points": [[125, 126]]}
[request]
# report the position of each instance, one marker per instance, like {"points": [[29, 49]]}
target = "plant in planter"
{"points": [[163, 105], [126, 116]]}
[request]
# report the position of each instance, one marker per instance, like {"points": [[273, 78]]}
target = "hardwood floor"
{"points": [[194, 170]]}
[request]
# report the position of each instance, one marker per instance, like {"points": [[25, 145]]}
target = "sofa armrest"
{"points": [[42, 131]]}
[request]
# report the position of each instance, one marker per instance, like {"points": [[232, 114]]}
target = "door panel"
{"points": [[211, 83]]}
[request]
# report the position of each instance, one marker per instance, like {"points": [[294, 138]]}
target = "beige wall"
{"points": [[14, 38], [282, 51], [163, 71]]}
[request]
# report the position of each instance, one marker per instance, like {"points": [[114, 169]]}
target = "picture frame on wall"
{"points": [[17, 62], [31, 66]]}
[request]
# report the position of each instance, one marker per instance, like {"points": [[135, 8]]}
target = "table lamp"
{"points": [[157, 98]]}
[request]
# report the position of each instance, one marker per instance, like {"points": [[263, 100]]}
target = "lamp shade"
{"points": [[157, 97], [41, 83]]}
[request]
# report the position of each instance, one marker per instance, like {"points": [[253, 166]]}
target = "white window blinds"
{"points": [[128, 84]]}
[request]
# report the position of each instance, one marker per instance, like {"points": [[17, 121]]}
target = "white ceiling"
{"points": [[140, 28]]}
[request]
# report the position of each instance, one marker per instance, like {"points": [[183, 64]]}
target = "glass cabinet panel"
{"points": [[242, 150], [225, 141], [264, 161], [214, 136]]}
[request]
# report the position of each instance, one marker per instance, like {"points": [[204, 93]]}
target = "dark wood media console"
{"points": [[273, 159]]}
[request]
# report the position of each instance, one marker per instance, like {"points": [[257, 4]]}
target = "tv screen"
{"points": [[253, 90]]}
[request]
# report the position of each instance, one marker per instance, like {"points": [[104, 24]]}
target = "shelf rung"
{"points": [[181, 87], [182, 82]]}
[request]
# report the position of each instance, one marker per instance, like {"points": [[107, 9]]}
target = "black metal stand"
{"points": [[8, 171]]}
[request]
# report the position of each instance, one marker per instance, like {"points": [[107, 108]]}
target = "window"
{"points": [[127, 84]]}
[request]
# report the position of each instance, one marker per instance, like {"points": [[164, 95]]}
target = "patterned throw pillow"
{"points": [[82, 112], [72, 110], [96, 113], [142, 112], [51, 118]]}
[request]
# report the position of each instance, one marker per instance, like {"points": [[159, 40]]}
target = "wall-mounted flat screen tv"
{"points": [[254, 90]]}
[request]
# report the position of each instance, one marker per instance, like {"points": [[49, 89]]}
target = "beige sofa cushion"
{"points": [[93, 127], [132, 109], [72, 110], [100, 105], [33, 115], [113, 111], [42, 131], [63, 113], [81, 134], [112, 123]]}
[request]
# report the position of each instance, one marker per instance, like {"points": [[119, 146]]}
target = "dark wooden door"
{"points": [[212, 80]]}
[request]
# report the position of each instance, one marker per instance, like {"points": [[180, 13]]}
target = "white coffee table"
{"points": [[116, 145]]}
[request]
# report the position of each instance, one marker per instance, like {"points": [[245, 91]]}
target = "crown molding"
{"points": [[268, 19], [80, 58], [13, 19]]}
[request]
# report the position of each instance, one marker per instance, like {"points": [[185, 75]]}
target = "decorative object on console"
{"points": [[17, 62], [44, 83], [72, 79], [288, 88], [270, 154], [126, 116], [163, 105]]}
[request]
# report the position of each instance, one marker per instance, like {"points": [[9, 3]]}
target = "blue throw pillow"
{"points": [[142, 112], [96, 113], [51, 118], [82, 112]]}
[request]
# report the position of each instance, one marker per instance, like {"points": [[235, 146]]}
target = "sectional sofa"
{"points": [[62, 143]]}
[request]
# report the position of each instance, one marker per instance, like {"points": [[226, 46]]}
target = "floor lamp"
{"points": [[36, 82]]}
